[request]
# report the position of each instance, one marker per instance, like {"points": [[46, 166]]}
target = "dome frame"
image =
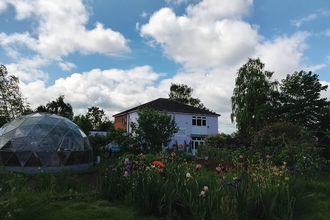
{"points": [[43, 142]]}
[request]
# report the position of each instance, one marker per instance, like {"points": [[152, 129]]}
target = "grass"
{"points": [[59, 197], [315, 200], [91, 209]]}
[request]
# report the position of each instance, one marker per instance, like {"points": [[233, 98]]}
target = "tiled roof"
{"points": [[168, 105]]}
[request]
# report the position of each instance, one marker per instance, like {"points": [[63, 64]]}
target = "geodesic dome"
{"points": [[43, 141]]}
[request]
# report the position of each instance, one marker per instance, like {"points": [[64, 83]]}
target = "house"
{"points": [[194, 124]]}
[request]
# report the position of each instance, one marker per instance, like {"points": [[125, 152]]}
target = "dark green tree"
{"points": [[58, 107], [253, 97], [154, 128], [301, 99], [183, 94], [98, 119], [12, 103], [83, 122], [119, 136]]}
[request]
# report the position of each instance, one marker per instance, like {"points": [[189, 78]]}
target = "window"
{"points": [[198, 121], [123, 121]]}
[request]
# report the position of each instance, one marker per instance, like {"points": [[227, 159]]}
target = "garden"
{"points": [[218, 183]]}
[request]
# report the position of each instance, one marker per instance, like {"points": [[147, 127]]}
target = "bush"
{"points": [[215, 141], [287, 142]]}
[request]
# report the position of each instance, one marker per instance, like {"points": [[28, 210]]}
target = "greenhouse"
{"points": [[43, 142]]}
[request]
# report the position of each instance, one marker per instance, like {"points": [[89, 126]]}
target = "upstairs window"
{"points": [[198, 121], [123, 121]]}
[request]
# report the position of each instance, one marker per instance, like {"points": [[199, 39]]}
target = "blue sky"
{"points": [[118, 54]]}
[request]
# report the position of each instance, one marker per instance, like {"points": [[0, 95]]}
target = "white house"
{"points": [[194, 124]]}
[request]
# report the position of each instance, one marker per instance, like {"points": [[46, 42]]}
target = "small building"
{"points": [[194, 123], [43, 142]]}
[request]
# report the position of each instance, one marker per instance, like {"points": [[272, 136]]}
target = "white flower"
{"points": [[188, 175], [202, 194], [205, 189]]}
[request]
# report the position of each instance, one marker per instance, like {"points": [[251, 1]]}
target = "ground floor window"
{"points": [[196, 141]]}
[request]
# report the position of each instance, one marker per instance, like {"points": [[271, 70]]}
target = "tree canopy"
{"points": [[98, 118], [252, 97], [301, 101], [12, 103], [154, 128], [183, 94], [58, 107]]}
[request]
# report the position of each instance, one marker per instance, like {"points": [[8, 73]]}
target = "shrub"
{"points": [[215, 141]]}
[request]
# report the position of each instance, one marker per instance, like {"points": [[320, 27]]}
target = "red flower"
{"points": [[158, 164]]}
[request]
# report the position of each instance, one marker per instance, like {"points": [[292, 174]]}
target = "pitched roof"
{"points": [[168, 105]]}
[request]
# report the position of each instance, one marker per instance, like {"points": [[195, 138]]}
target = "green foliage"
{"points": [[119, 136], [215, 140], [154, 128], [301, 99], [251, 100], [183, 94], [286, 142], [58, 107], [83, 122], [264, 192], [98, 119], [12, 103], [97, 142]]}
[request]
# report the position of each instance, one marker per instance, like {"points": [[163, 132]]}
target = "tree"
{"points": [[58, 107], [12, 103], [84, 123], [183, 94], [301, 99], [98, 119], [154, 128], [252, 100]]}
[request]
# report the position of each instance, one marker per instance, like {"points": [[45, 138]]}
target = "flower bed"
{"points": [[172, 187]]}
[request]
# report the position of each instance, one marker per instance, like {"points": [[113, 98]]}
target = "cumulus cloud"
{"points": [[212, 41], [197, 42], [118, 89], [67, 66], [53, 40]]}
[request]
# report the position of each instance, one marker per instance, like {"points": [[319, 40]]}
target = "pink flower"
{"points": [[198, 167]]}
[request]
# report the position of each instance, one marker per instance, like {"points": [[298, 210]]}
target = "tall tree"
{"points": [[83, 122], [154, 127], [252, 97], [98, 119], [301, 99], [183, 94], [12, 102], [58, 107]]}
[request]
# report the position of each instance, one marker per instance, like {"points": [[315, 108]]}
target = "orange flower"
{"points": [[158, 164]]}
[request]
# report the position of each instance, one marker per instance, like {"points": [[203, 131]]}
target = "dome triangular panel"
{"points": [[44, 157], [23, 156]]}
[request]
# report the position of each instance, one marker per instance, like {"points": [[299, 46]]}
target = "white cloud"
{"points": [[67, 66], [299, 22], [53, 39], [196, 42], [112, 90], [175, 2]]}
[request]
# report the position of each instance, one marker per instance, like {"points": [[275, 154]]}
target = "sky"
{"points": [[119, 54]]}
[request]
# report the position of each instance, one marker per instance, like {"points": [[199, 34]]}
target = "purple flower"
{"points": [[291, 170], [126, 161], [114, 169], [128, 167], [126, 174], [237, 181], [227, 184]]}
